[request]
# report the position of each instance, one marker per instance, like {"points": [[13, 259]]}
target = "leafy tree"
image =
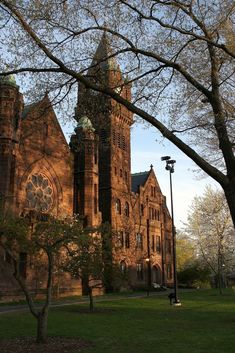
{"points": [[191, 271], [178, 55], [210, 225], [91, 259], [194, 274], [45, 238], [186, 251], [85, 261]]}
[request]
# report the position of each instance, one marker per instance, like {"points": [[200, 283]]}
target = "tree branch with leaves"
{"points": [[178, 55]]}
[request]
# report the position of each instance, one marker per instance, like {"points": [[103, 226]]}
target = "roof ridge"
{"points": [[140, 173]]}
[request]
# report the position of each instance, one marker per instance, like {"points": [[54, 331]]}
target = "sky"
{"points": [[147, 147]]}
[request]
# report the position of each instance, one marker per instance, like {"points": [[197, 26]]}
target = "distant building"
{"points": [[91, 176]]}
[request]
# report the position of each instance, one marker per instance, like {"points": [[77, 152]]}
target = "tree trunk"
{"points": [[229, 191], [219, 279], [42, 327], [91, 299]]}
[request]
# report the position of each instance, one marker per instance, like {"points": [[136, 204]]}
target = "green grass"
{"points": [[204, 323]]}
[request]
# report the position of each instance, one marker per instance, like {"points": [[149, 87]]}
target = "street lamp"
{"points": [[170, 166], [148, 263]]}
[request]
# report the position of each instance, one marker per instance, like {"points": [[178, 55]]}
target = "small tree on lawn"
{"points": [[85, 261], [48, 238]]}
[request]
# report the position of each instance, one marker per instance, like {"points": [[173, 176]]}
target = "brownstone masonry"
{"points": [[91, 176]]}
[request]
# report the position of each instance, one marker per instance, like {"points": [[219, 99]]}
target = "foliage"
{"points": [[178, 55], [194, 275], [85, 261], [191, 271], [16, 229], [40, 238], [185, 250], [210, 227]]}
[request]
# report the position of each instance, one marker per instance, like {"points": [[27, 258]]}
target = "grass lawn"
{"points": [[204, 323]]}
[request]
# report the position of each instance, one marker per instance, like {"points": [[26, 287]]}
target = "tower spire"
{"points": [[103, 59]]}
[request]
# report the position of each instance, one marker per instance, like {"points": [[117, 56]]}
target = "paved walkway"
{"points": [[9, 308]]}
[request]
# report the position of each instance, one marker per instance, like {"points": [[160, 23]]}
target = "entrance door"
{"points": [[156, 275]]}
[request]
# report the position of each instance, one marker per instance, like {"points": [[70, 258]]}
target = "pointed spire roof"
{"points": [[102, 54]]}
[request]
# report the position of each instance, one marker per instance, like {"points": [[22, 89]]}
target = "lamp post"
{"points": [[149, 280], [170, 166]]}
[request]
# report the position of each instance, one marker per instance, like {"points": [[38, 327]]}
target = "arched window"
{"points": [[118, 206], [158, 244], [122, 239], [114, 137], [142, 209], [153, 242], [156, 275], [39, 193], [127, 240], [127, 209], [139, 241]]}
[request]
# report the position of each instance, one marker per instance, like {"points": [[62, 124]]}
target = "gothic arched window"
{"points": [[118, 206], [127, 240], [139, 241], [127, 209]]}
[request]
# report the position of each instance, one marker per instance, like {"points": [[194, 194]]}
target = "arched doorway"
{"points": [[156, 275]]}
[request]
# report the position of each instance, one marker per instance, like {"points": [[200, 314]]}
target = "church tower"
{"points": [[112, 123], [11, 106]]}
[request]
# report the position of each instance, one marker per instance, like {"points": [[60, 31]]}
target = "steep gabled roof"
{"points": [[40, 110], [43, 105], [138, 179], [28, 108]]}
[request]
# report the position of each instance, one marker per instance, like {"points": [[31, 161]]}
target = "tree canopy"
{"points": [[177, 55], [44, 241], [210, 228]]}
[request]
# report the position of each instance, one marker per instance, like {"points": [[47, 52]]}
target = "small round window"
{"points": [[39, 193]]}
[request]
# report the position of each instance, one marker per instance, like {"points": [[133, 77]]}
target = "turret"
{"points": [[84, 144], [11, 106]]}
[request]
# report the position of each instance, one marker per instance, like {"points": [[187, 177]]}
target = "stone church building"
{"points": [[90, 176]]}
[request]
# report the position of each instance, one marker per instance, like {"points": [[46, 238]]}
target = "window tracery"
{"points": [[39, 193]]}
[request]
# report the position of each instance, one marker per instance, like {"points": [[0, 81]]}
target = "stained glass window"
{"points": [[39, 193]]}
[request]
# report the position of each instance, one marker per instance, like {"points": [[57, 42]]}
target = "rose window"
{"points": [[39, 193]]}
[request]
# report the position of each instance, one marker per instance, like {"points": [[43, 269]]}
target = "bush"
{"points": [[194, 276]]}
